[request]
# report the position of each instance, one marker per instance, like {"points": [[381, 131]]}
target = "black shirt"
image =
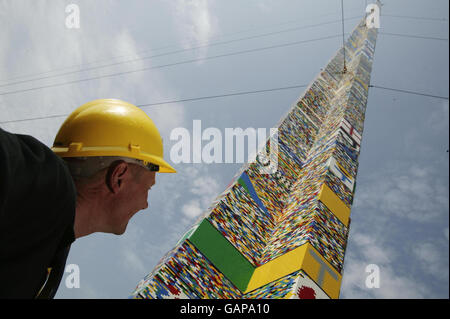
{"points": [[37, 212]]}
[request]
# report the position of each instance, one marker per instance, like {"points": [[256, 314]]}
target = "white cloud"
{"points": [[400, 195], [368, 249], [392, 284], [432, 260], [204, 188], [266, 6], [131, 258], [395, 286], [407, 191], [372, 250], [195, 22], [438, 120], [192, 209]]}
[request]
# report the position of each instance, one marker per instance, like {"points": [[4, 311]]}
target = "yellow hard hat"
{"points": [[110, 127]]}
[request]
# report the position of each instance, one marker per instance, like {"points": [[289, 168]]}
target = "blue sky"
{"points": [[400, 213]]}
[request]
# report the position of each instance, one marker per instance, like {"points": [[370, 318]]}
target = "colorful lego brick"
{"points": [[224, 256], [313, 222], [197, 273], [334, 204], [293, 286], [341, 174], [167, 286], [304, 258]]}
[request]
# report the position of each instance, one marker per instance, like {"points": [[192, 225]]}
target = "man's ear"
{"points": [[114, 176]]}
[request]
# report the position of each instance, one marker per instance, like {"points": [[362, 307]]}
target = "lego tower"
{"points": [[283, 233]]}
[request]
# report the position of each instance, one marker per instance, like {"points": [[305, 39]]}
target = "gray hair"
{"points": [[86, 167]]}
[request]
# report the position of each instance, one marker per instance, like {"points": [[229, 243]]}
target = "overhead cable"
{"points": [[168, 65], [409, 92]]}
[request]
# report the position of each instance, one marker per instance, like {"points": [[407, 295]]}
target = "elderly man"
{"points": [[94, 179]]}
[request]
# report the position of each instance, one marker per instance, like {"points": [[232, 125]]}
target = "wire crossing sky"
{"points": [[227, 95]]}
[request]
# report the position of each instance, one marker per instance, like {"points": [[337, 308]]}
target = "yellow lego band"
{"points": [[305, 258], [334, 204]]}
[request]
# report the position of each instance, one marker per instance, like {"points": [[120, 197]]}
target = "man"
{"points": [[107, 154]]}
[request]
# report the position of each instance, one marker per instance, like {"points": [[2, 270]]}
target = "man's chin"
{"points": [[121, 230]]}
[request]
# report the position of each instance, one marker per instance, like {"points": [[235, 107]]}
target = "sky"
{"points": [[400, 215]]}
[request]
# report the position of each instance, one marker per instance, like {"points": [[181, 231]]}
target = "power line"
{"points": [[343, 40], [35, 118], [409, 92], [170, 46], [215, 44], [224, 95], [174, 52], [413, 36], [416, 18], [170, 64], [172, 101]]}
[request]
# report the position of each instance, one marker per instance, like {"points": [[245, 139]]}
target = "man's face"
{"points": [[132, 196]]}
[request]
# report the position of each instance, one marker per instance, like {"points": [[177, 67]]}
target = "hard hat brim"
{"points": [[164, 167]]}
